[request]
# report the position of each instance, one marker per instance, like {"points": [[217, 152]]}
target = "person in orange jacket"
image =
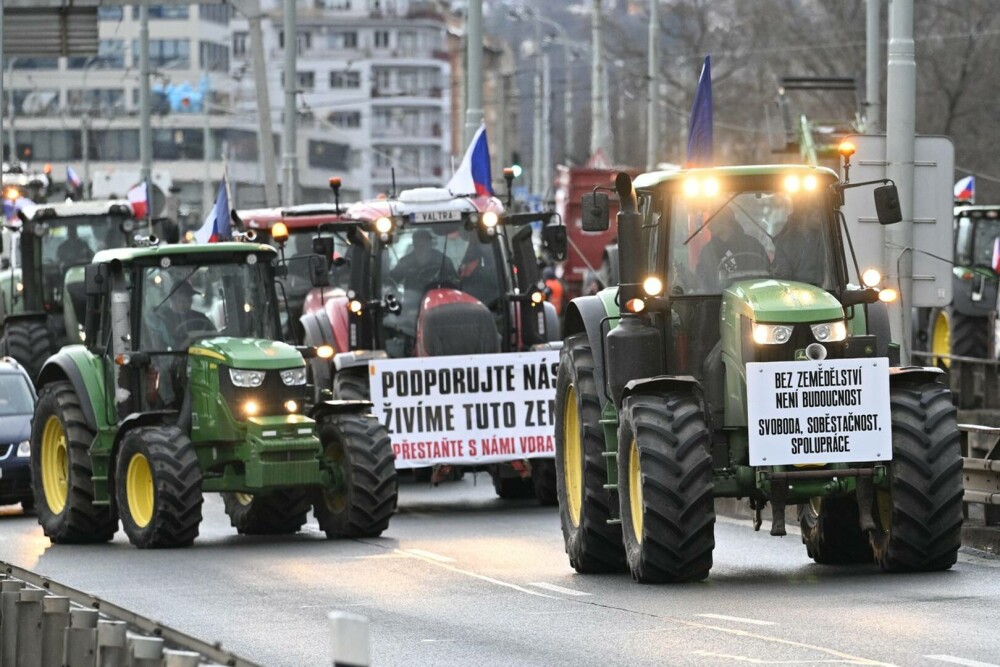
{"points": [[553, 289]]}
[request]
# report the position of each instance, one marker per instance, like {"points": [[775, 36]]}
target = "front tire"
{"points": [[351, 384], [280, 512], [30, 343], [61, 471], [919, 519], [665, 488], [592, 544], [831, 531], [359, 446], [158, 487]]}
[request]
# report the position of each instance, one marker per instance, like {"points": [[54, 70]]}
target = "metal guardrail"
{"points": [[46, 624], [981, 470]]}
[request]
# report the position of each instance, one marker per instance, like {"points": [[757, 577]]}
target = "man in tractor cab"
{"points": [[74, 250], [183, 320], [730, 251], [795, 246], [423, 265]]}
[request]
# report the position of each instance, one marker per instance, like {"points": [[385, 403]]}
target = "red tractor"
{"points": [[433, 275]]}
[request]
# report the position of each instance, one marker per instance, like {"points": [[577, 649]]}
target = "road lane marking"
{"points": [[961, 661], [474, 575], [771, 661], [429, 554], [736, 619], [557, 589]]}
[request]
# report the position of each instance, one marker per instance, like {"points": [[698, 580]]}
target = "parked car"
{"points": [[17, 404]]}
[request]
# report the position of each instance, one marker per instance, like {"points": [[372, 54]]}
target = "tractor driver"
{"points": [[799, 248], [183, 320], [74, 250], [730, 250], [423, 265]]}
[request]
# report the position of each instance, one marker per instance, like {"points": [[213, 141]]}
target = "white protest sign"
{"points": [[473, 409], [831, 411]]}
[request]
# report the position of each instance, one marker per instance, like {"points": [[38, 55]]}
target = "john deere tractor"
{"points": [[41, 284], [181, 389], [736, 359]]}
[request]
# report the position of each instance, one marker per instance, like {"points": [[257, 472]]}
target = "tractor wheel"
{"points": [[970, 335], [543, 481], [351, 384], [593, 545], [358, 447], [831, 531], [158, 487], [939, 339], [919, 519], [665, 488], [30, 343], [281, 512], [61, 471], [513, 487]]}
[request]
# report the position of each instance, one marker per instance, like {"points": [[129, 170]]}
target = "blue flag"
{"points": [[699, 148]]}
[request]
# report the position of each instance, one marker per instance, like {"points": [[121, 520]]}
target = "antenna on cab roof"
{"points": [[392, 194]]}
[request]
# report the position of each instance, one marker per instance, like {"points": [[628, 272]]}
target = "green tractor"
{"points": [[736, 360], [41, 281], [179, 390], [965, 328]]}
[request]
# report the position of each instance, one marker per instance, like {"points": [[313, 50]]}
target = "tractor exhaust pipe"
{"points": [[631, 253]]}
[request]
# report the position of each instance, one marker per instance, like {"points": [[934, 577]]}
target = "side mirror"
{"points": [[95, 278], [554, 241], [596, 212], [887, 205], [318, 271]]}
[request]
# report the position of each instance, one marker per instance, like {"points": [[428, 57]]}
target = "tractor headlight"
{"points": [[829, 332], [293, 376], [251, 408], [24, 449], [771, 334], [490, 219], [383, 225], [242, 378]]}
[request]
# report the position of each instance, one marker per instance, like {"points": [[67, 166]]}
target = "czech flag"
{"points": [[217, 226], [473, 175], [139, 199], [73, 178], [965, 189]]}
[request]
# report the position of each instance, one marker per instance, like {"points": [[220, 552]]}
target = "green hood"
{"points": [[248, 353], [781, 301]]}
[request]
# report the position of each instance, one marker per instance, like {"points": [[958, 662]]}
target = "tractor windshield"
{"points": [[429, 255], [749, 234], [71, 241], [984, 241], [298, 252], [182, 303]]}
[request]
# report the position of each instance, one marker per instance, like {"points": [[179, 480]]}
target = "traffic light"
{"points": [[515, 164]]}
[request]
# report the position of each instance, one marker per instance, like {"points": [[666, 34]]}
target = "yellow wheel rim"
{"points": [[572, 457], [243, 498], [139, 489], [635, 490], [941, 338], [55, 465]]}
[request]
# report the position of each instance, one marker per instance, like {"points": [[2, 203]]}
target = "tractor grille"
{"points": [[271, 395]]}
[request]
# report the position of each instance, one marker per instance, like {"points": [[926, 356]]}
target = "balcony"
{"points": [[420, 133]]}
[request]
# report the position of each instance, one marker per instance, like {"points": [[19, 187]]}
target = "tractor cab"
{"points": [[43, 288]]}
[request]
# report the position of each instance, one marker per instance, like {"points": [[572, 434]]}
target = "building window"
{"points": [[345, 79], [178, 144], [33, 63], [240, 40], [165, 53], [303, 80], [49, 145], [170, 12], [213, 57], [304, 41], [328, 155], [110, 55], [99, 101], [216, 13], [381, 39], [337, 41], [383, 81], [106, 13], [33, 101], [345, 118]]}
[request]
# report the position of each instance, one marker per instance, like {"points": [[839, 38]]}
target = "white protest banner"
{"points": [[472, 409], [831, 411]]}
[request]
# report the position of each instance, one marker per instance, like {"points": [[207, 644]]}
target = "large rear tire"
{"points": [[510, 486], [30, 343], [592, 544], [970, 335], [665, 488], [831, 531], [359, 447], [61, 471], [158, 487], [280, 512], [919, 519], [351, 384]]}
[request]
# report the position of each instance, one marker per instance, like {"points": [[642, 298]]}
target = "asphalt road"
{"points": [[462, 578]]}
